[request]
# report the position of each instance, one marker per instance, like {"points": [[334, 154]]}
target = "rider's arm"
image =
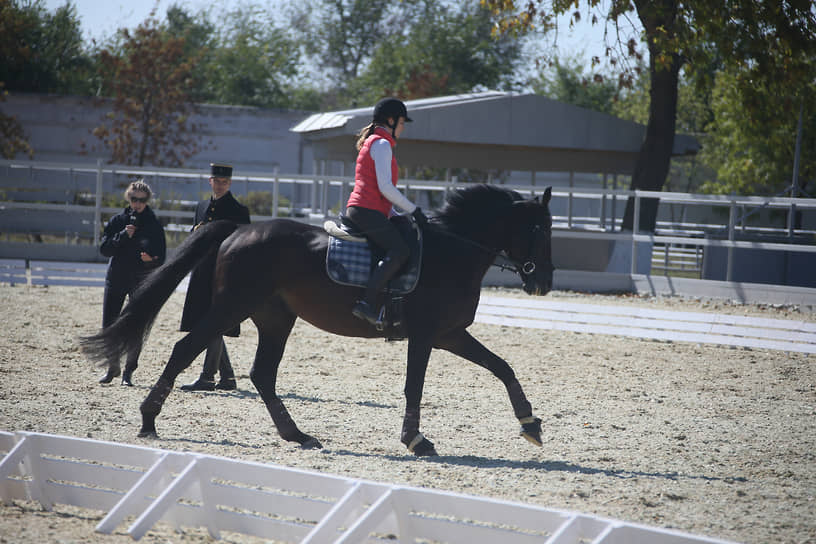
{"points": [[381, 153]]}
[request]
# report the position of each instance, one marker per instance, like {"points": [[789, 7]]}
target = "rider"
{"points": [[375, 192]]}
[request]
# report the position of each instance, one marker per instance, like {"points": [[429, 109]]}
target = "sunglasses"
{"points": [[143, 199]]}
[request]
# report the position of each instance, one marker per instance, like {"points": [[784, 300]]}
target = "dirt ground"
{"points": [[700, 438]]}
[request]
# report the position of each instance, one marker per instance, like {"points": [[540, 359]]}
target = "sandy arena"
{"points": [[701, 438]]}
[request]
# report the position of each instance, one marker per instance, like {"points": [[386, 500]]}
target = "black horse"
{"points": [[275, 272]]}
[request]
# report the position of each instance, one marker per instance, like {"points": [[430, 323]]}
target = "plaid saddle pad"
{"points": [[351, 263]]}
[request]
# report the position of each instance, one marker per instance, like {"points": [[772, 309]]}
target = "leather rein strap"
{"points": [[524, 268]]}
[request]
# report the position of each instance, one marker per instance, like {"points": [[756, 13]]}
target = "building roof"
{"points": [[495, 130]]}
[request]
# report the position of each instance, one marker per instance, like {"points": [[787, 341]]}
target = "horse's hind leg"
{"points": [[274, 326], [464, 345], [184, 353]]}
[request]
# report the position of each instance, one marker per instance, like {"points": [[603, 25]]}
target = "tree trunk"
{"points": [[654, 159]]}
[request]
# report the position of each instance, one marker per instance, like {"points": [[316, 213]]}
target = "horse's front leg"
{"points": [[273, 331], [419, 351], [461, 343]]}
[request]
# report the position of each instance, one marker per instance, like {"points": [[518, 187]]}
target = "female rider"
{"points": [[374, 194]]}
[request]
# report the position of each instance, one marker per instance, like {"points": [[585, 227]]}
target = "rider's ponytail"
{"points": [[363, 135]]}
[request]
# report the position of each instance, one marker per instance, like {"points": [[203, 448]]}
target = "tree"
{"points": [[199, 42], [752, 150], [442, 50], [344, 33], [151, 81], [42, 52], [414, 48], [769, 39], [12, 137], [251, 62], [565, 81]]}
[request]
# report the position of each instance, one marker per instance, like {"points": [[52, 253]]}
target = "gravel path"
{"points": [[700, 438]]}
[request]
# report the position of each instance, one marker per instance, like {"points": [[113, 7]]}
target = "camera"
{"points": [[133, 219]]}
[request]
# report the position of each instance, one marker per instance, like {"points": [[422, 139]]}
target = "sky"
{"points": [[100, 18]]}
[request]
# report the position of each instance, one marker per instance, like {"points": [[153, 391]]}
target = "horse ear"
{"points": [[547, 195]]}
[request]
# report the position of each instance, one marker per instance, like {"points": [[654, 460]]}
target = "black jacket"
{"points": [[125, 263], [199, 292]]}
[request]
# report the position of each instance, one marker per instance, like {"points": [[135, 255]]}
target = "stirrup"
{"points": [[364, 311]]}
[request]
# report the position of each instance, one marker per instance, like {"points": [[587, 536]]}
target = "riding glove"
{"points": [[419, 217]]}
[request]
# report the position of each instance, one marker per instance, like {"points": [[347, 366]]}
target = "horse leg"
{"points": [[461, 343], [419, 351], [184, 353], [273, 331]]}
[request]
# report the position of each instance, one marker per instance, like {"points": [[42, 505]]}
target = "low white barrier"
{"points": [[13, 271], [271, 501], [68, 273], [697, 327]]}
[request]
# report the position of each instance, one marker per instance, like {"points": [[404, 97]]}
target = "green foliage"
{"points": [[752, 149], [251, 62], [13, 139], [199, 42], [41, 51], [413, 49], [693, 104], [260, 202], [344, 33], [444, 51], [566, 81]]}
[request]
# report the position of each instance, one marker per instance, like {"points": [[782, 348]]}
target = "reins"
{"points": [[527, 267]]}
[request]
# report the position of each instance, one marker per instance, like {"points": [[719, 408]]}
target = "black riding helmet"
{"points": [[390, 107]]}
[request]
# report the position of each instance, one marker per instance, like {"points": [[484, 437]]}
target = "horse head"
{"points": [[530, 244]]}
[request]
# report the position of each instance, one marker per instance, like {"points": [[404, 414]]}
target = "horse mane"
{"points": [[468, 210]]}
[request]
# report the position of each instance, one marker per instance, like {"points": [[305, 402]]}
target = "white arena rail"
{"points": [[13, 271], [697, 327], [68, 273], [271, 501]]}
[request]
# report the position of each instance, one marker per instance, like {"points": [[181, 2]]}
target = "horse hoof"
{"points": [[148, 434], [429, 452], [425, 448], [311, 443], [531, 431]]}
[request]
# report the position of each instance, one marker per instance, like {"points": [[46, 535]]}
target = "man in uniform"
{"points": [[222, 205]]}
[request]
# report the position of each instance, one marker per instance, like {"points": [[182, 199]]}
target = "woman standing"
{"points": [[134, 241], [374, 195]]}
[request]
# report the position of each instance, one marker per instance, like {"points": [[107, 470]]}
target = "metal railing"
{"points": [[326, 192]]}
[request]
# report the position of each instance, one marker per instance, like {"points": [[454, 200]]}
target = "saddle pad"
{"points": [[350, 263]]}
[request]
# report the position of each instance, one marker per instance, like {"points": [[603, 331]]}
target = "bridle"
{"points": [[523, 267]]}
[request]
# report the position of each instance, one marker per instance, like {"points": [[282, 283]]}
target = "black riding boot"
{"points": [[206, 381], [227, 381], [367, 309]]}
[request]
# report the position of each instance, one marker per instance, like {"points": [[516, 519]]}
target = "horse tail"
{"points": [[131, 328]]}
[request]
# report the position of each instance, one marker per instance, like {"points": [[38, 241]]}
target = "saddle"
{"points": [[350, 258]]}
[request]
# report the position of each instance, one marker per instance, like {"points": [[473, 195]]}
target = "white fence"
{"points": [[326, 193], [697, 327], [672, 326], [148, 486]]}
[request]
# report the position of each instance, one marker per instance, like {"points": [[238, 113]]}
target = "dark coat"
{"points": [[126, 267], [199, 293]]}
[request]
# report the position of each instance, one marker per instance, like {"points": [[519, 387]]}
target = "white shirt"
{"points": [[381, 153]]}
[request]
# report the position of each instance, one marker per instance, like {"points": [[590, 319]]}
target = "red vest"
{"points": [[366, 194]]}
